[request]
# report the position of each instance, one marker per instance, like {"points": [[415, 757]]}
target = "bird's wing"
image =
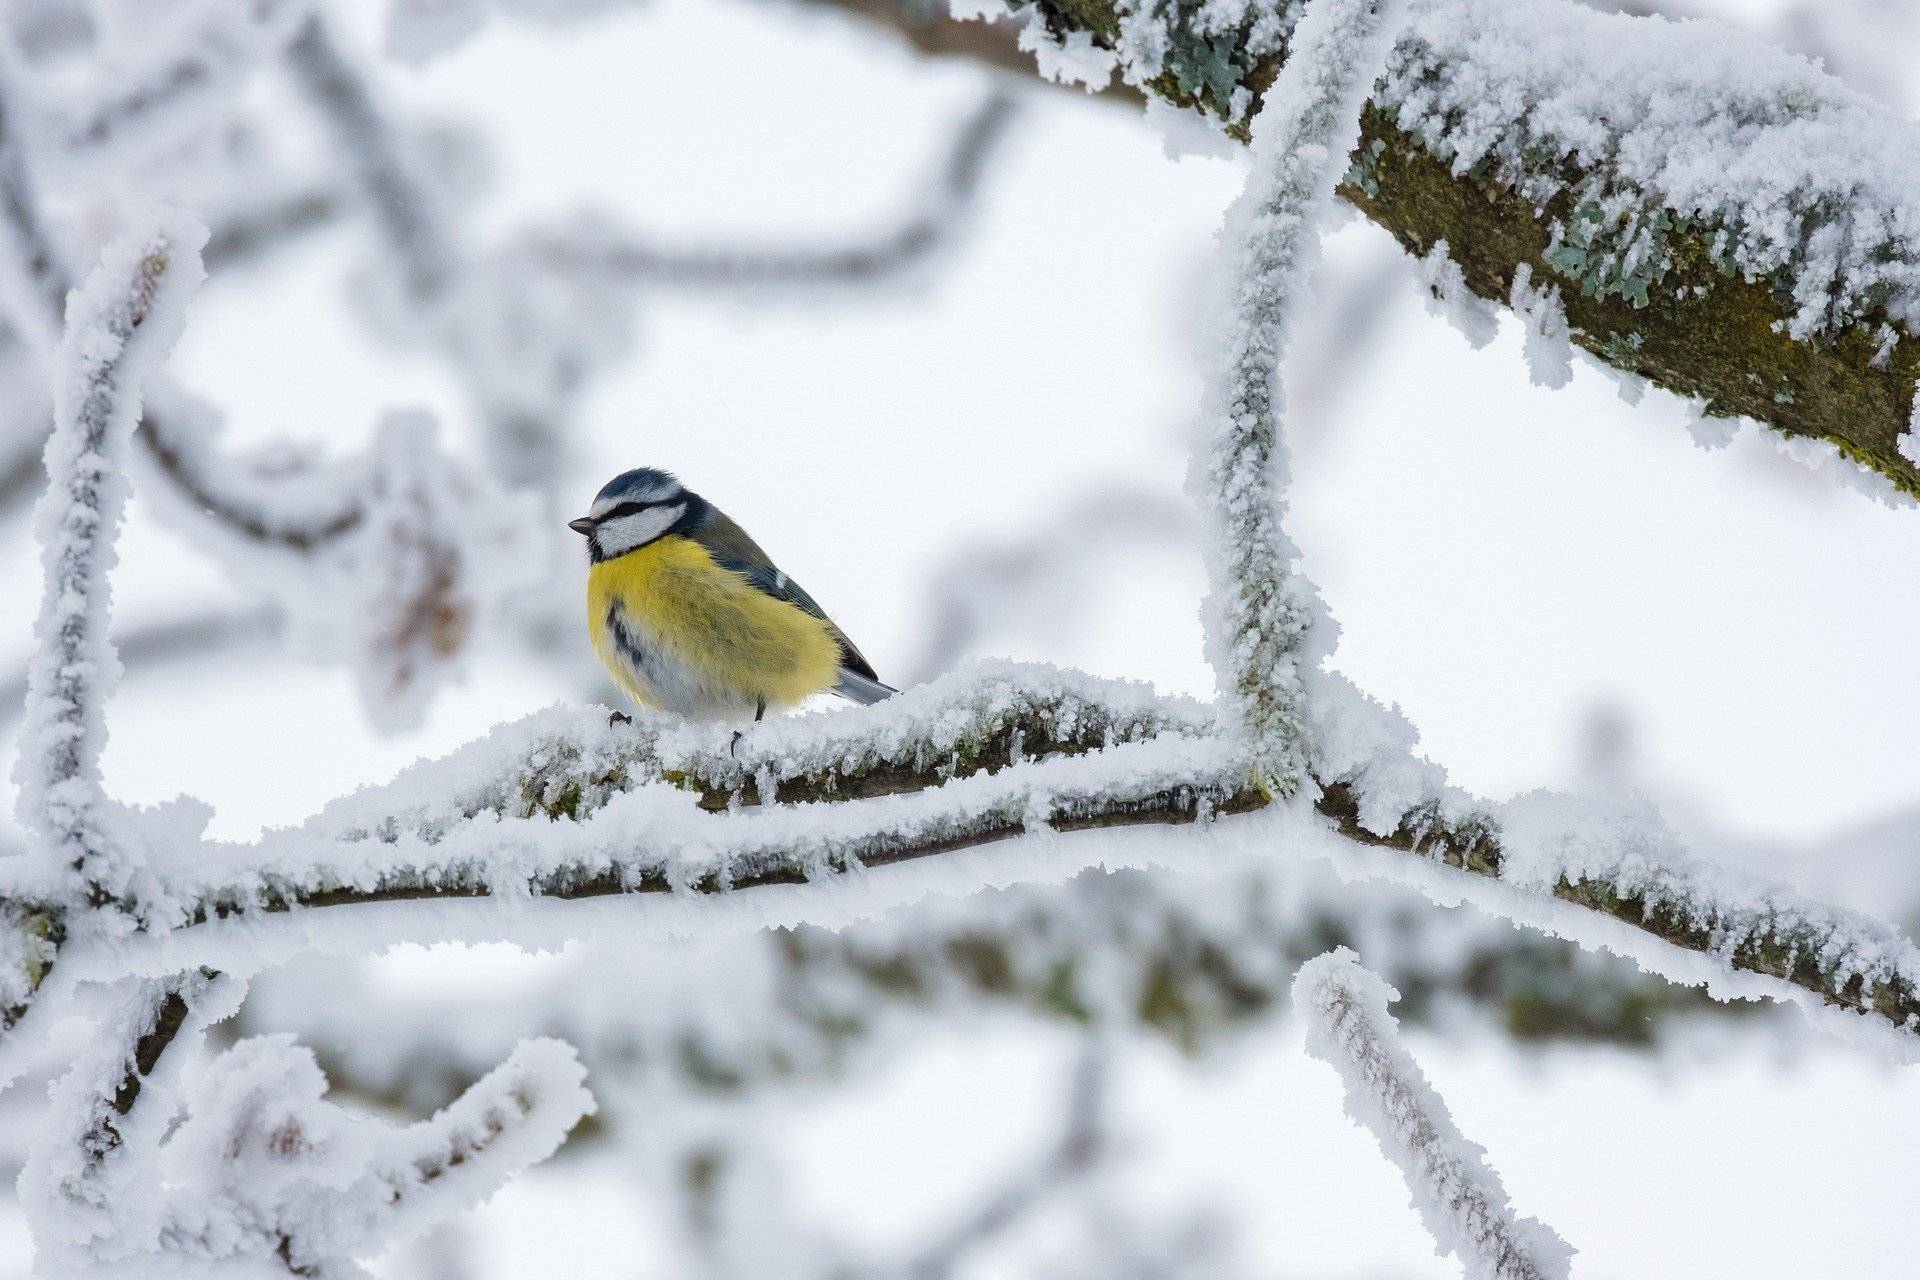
{"points": [[731, 548]]}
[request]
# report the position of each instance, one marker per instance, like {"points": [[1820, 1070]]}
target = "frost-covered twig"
{"points": [[242, 235], [1459, 1197], [119, 325], [984, 583], [33, 279], [261, 1166], [934, 220], [508, 364], [85, 1179], [281, 512], [1267, 629]]}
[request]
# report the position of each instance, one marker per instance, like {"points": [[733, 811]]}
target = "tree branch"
{"points": [[1461, 1199], [1679, 286], [562, 806], [119, 324]]}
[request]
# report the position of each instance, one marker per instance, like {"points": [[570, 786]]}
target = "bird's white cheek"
{"points": [[627, 532]]}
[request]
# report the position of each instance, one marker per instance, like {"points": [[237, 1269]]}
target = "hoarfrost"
{"points": [[1449, 297], [120, 323], [1460, 1199], [1074, 59], [1266, 627], [1544, 322]]}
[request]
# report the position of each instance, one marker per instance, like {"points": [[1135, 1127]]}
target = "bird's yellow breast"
{"points": [[700, 639]]}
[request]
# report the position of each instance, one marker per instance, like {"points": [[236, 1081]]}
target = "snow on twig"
{"points": [[87, 1185], [262, 1166], [1460, 1199], [1266, 626], [120, 324]]}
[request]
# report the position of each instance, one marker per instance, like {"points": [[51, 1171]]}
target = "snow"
{"points": [[387, 560], [120, 323], [262, 1163], [1548, 838], [438, 547], [1459, 1197], [1266, 628], [488, 794], [87, 1182]]}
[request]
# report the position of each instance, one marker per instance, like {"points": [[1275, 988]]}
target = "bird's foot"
{"points": [[618, 717], [734, 746]]}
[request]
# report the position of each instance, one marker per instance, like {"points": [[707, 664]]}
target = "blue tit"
{"points": [[690, 616]]}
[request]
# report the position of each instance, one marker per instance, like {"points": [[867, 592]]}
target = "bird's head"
{"points": [[634, 508]]}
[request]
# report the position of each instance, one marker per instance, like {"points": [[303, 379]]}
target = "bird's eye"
{"points": [[624, 509]]}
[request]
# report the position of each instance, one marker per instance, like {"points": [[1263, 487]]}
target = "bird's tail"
{"points": [[855, 687]]}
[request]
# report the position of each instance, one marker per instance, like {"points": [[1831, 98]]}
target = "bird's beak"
{"points": [[584, 525]]}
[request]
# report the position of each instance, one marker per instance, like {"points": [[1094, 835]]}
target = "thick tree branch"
{"points": [[1692, 320], [949, 766]]}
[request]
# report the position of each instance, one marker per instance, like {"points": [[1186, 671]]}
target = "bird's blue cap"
{"points": [[642, 484]]}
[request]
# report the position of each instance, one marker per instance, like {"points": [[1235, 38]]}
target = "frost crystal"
{"points": [[1460, 1199], [1656, 128], [1544, 320], [1076, 59], [1449, 297], [1266, 627]]}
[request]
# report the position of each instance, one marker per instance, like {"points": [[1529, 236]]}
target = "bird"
{"points": [[690, 616]]}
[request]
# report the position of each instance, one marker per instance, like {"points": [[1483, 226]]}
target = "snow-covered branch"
{"points": [[562, 806], [119, 325], [1267, 629], [1724, 220], [83, 1180], [1459, 1197], [261, 1166]]}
